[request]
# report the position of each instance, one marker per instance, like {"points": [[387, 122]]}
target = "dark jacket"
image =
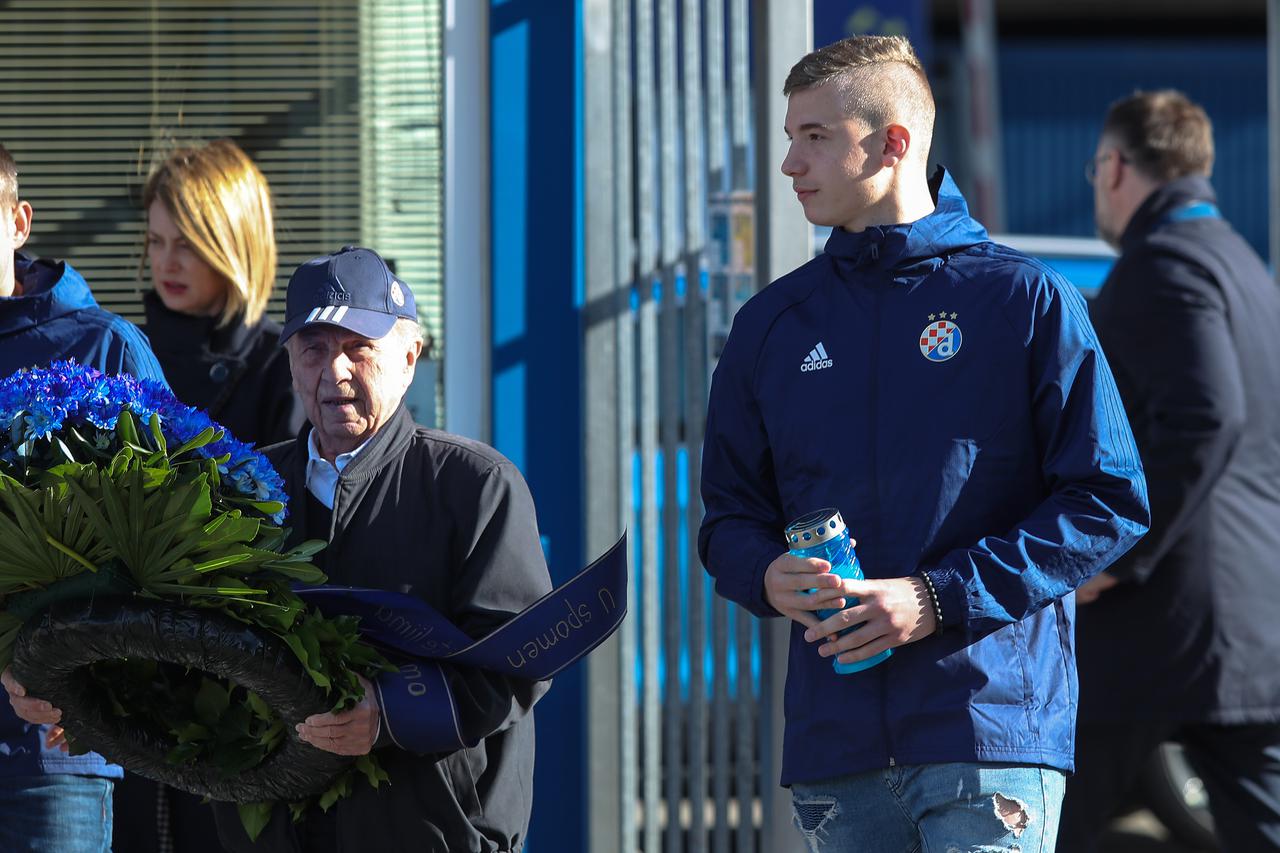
{"points": [[994, 456], [55, 318], [449, 520], [1190, 319], [238, 374]]}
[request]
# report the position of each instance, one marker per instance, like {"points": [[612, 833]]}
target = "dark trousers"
{"points": [[1239, 765], [181, 822]]}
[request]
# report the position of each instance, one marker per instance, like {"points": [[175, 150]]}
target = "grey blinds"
{"points": [[337, 100]]}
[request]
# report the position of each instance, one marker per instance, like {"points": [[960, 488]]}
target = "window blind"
{"points": [[337, 100]]}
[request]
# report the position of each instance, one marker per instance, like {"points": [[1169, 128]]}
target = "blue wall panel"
{"points": [[536, 201], [1054, 95]]}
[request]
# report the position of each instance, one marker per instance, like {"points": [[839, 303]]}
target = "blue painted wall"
{"points": [[1054, 95], [536, 199]]}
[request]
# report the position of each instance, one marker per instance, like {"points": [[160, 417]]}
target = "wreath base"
{"points": [[55, 648]]}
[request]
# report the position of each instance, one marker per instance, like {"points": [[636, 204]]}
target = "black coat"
{"points": [[451, 521], [238, 374], [1189, 319]]}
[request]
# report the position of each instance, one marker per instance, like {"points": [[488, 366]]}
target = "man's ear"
{"points": [[897, 142], [21, 223]]}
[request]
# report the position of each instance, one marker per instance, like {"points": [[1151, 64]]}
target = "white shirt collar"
{"points": [[322, 475]]}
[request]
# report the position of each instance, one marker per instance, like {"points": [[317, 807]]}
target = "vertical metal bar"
{"points": [[669, 432], [744, 776], [716, 143], [605, 499], [467, 407], [1273, 124], [645, 132], [651, 714], [783, 242], [668, 131], [978, 36], [740, 90], [695, 177], [693, 340], [624, 258], [695, 388]]}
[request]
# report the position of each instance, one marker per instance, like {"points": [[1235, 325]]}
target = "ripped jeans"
{"points": [[933, 808]]}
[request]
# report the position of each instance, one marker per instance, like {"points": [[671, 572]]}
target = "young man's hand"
{"points": [[788, 580], [889, 613]]}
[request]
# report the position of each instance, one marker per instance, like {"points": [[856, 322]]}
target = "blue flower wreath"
{"points": [[36, 405], [119, 502]]}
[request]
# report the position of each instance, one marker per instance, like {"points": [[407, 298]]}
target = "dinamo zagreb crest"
{"points": [[940, 341]]}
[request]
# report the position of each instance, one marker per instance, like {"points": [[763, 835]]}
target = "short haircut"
{"points": [[881, 78], [222, 206], [1164, 133], [8, 178]]}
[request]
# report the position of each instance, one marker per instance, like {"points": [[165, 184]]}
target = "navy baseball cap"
{"points": [[352, 288]]}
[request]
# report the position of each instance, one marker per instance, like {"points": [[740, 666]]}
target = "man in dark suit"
{"points": [[1179, 639]]}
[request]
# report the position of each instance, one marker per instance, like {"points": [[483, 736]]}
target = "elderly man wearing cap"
{"points": [[410, 510]]}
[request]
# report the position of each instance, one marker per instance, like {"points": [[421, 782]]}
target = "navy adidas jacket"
{"points": [[966, 424], [55, 318]]}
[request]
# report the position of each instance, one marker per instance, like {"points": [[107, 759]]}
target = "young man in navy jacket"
{"points": [[967, 426]]}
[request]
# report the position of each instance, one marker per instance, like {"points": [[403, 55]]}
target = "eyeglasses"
{"points": [[1091, 165]]}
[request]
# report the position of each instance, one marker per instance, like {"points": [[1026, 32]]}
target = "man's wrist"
{"points": [[933, 603]]}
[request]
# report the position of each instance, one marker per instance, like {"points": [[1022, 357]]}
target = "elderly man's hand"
{"points": [[34, 710], [351, 732]]}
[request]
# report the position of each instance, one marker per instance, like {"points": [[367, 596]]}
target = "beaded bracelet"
{"points": [[933, 599]]}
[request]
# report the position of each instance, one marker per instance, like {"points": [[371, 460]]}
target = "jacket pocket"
{"points": [[462, 779]]}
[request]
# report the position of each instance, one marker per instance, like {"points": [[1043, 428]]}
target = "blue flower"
{"points": [[41, 404]]}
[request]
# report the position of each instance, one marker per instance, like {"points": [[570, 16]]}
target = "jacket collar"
{"points": [[1178, 193], [171, 330], [904, 247], [387, 443], [50, 289]]}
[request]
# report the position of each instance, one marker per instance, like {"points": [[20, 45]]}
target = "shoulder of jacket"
{"points": [[445, 448], [280, 452], [757, 316]]}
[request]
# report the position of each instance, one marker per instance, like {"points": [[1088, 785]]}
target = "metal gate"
{"points": [[681, 708]]}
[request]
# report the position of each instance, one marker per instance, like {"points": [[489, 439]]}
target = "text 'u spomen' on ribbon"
{"points": [[557, 630]]}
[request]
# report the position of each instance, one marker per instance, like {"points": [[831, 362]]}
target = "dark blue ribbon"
{"points": [[555, 631]]}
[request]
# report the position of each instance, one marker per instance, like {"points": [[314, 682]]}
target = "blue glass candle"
{"points": [[822, 534]]}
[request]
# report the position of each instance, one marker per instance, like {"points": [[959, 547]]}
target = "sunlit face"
{"points": [[185, 282], [350, 385], [829, 160]]}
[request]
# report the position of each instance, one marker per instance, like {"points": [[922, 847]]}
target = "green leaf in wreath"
{"points": [[368, 765], [192, 733], [211, 702], [254, 817]]}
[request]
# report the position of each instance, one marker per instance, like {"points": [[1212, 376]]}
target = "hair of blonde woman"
{"points": [[221, 204], [881, 79]]}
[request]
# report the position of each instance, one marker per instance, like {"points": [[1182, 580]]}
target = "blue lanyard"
{"points": [[1196, 210]]}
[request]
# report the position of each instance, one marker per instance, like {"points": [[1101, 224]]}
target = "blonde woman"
{"points": [[211, 252]]}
